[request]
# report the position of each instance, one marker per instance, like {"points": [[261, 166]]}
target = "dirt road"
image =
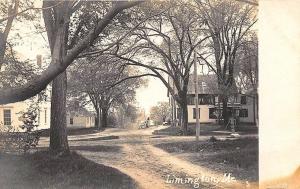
{"points": [[134, 154]]}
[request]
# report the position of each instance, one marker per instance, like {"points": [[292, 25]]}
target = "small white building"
{"points": [[80, 119]]}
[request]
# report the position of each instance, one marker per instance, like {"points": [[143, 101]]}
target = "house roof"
{"points": [[80, 112], [208, 84]]}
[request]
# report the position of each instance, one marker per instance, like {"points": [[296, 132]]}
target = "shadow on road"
{"points": [[97, 148], [98, 138]]}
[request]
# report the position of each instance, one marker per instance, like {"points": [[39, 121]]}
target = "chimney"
{"points": [[39, 60]]}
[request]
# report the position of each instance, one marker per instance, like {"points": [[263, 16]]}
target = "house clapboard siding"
{"points": [[10, 117], [239, 105]]}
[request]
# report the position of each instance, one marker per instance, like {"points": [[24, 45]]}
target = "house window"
{"points": [[243, 113], [235, 98], [212, 113], [201, 99], [194, 113], [191, 100], [243, 100], [206, 99], [7, 117], [71, 121], [211, 99], [216, 99]]}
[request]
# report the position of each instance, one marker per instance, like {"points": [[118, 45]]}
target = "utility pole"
{"points": [[196, 99]]}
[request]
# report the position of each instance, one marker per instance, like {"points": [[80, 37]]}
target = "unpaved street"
{"points": [[134, 154]]}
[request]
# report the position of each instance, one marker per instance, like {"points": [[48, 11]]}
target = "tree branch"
{"points": [[25, 10], [130, 77], [9, 95]]}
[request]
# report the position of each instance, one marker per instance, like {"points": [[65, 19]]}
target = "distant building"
{"points": [[80, 119], [239, 105]]}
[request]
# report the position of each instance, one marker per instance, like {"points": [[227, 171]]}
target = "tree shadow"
{"points": [[43, 170], [96, 148], [98, 138]]}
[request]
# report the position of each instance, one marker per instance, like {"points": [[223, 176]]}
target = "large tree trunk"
{"points": [[219, 109], [254, 109], [184, 121], [257, 109], [58, 128], [184, 112], [179, 115], [104, 114], [58, 42], [98, 119], [225, 113]]}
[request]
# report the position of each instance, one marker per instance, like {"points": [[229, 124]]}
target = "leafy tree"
{"points": [[126, 114], [29, 118], [16, 72], [9, 11], [103, 82], [63, 53], [57, 17], [247, 71], [228, 23], [164, 45], [247, 65], [160, 112]]}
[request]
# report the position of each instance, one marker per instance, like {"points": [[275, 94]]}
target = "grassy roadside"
{"points": [[73, 131], [42, 170], [207, 129], [239, 157]]}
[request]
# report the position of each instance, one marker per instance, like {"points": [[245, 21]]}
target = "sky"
{"points": [[152, 94]]}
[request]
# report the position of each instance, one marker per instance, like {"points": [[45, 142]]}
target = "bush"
{"points": [[29, 119], [11, 140], [212, 139], [18, 141], [190, 132]]}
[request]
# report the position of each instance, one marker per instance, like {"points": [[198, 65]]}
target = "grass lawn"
{"points": [[73, 131], [175, 131], [239, 156], [41, 170], [206, 129]]}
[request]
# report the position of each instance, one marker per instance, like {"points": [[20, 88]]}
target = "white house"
{"points": [[11, 114], [239, 105], [80, 119]]}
